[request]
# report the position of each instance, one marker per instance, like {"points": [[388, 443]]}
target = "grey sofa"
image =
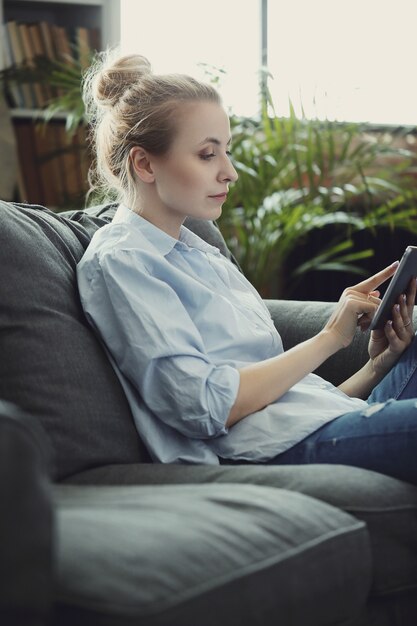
{"points": [[92, 532]]}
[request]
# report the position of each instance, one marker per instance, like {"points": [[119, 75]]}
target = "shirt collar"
{"points": [[157, 237]]}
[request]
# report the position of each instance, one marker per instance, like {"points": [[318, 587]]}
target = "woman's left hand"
{"points": [[386, 345]]}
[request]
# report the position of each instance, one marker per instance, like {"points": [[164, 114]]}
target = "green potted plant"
{"points": [[299, 176]]}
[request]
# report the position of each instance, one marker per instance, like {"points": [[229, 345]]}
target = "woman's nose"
{"points": [[229, 174]]}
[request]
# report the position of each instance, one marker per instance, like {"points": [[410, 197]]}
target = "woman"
{"points": [[194, 346]]}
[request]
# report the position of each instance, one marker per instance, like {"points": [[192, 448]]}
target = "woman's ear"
{"points": [[141, 164]]}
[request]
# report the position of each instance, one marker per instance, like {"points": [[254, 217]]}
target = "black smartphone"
{"points": [[406, 270]]}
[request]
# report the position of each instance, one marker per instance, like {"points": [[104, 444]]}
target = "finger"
{"points": [[394, 340], [397, 320], [402, 301], [407, 301], [411, 295], [374, 299], [365, 310], [401, 320], [371, 283], [406, 315], [363, 305]]}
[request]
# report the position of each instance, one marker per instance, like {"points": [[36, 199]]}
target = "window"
{"points": [[350, 60], [180, 35]]}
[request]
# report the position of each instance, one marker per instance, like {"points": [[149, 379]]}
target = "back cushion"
{"points": [[51, 364]]}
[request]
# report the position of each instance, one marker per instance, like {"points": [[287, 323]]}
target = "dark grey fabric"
{"points": [[388, 506], [26, 521], [213, 554], [52, 364], [392, 610]]}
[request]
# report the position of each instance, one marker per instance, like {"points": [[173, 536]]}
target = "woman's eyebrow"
{"points": [[215, 141]]}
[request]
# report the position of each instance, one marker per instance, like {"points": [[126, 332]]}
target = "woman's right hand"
{"points": [[356, 307]]}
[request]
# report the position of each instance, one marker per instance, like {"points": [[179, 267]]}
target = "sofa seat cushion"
{"points": [[208, 554], [387, 506]]}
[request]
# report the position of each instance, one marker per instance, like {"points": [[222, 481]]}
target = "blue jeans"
{"points": [[382, 437]]}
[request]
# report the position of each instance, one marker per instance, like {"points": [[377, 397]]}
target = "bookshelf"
{"points": [[53, 166], [101, 14]]}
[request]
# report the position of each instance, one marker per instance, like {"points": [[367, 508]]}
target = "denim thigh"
{"points": [[401, 381], [381, 437]]}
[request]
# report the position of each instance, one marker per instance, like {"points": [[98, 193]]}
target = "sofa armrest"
{"points": [[298, 320], [26, 522]]}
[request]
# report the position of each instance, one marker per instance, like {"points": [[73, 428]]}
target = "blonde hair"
{"points": [[126, 106]]}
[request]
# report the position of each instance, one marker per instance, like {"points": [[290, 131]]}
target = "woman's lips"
{"points": [[219, 196]]}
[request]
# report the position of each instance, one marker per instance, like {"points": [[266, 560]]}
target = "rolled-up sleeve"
{"points": [[155, 344]]}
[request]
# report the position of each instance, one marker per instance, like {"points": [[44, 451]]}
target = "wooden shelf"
{"points": [[53, 167], [102, 14], [34, 114]]}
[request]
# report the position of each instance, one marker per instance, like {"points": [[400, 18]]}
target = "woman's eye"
{"points": [[207, 157]]}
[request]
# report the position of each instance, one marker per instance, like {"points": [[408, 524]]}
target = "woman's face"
{"points": [[193, 178]]}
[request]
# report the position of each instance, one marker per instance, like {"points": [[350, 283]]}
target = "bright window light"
{"points": [[181, 35], [349, 60]]}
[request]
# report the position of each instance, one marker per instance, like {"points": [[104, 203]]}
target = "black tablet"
{"points": [[406, 270]]}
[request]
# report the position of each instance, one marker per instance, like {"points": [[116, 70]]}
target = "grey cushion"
{"points": [[388, 506], [52, 365], [212, 554]]}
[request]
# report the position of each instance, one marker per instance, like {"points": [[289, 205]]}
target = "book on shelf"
{"points": [[83, 45], [70, 162], [88, 42], [18, 58], [29, 60], [47, 39], [61, 39], [53, 166], [36, 40], [24, 42], [94, 39], [50, 51], [30, 185], [39, 50]]}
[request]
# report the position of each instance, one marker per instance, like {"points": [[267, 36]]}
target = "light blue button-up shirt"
{"points": [[178, 320]]}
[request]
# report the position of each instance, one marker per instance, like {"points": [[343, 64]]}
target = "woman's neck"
{"points": [[168, 224]]}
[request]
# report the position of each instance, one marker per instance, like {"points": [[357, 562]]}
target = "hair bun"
{"points": [[114, 78]]}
